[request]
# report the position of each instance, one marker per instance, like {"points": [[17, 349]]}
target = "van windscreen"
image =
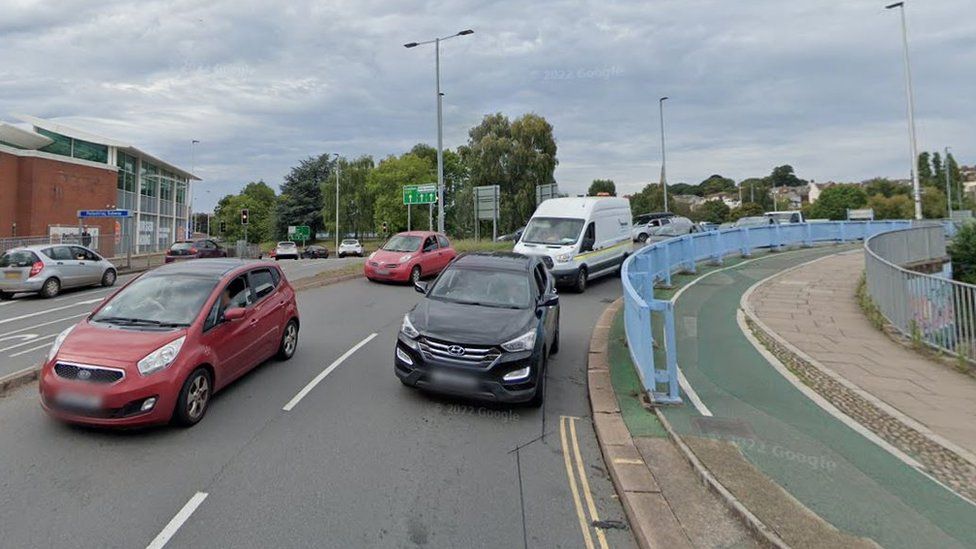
{"points": [[552, 230]]}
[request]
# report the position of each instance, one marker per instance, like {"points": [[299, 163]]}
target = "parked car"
{"points": [[286, 250], [663, 227], [754, 221], [159, 348], [315, 251], [484, 329], [410, 256], [644, 219], [194, 249], [47, 269], [583, 237], [705, 226], [351, 246], [789, 216]]}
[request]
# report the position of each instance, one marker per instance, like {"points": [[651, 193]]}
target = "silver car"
{"points": [[47, 268]]}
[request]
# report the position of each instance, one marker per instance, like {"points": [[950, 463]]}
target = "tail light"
{"points": [[36, 268], [193, 251]]}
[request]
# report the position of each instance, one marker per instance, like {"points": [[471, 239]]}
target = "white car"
{"points": [[659, 229], [286, 250], [350, 246]]}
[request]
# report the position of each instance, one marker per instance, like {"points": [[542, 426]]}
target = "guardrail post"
{"points": [[666, 281], [717, 249], [777, 240], [745, 250], [842, 236], [807, 235], [689, 267], [671, 356]]}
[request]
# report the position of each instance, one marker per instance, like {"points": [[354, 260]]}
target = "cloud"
{"points": [[817, 84]]}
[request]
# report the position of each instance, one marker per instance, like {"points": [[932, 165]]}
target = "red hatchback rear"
{"points": [[160, 347], [410, 256]]}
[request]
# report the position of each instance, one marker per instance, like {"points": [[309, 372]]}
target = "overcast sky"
{"points": [[755, 83]]}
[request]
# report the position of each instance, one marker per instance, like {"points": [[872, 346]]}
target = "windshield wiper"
{"points": [[129, 321]]}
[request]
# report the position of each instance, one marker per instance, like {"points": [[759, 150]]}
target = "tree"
{"points": [[934, 204], [259, 200], [834, 202], [783, 176], [517, 156], [898, 206], [300, 202], [385, 184], [602, 186], [716, 184], [757, 190], [924, 169], [684, 188], [649, 199], [747, 209], [355, 202], [714, 211], [938, 169], [885, 187], [962, 251]]}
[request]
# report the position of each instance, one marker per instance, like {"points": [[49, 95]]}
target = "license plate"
{"points": [[382, 271], [13, 275], [453, 379], [79, 400]]}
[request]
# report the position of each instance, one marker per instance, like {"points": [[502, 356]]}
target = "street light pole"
{"points": [[945, 168], [190, 189], [440, 120], [917, 190], [664, 178], [337, 205]]}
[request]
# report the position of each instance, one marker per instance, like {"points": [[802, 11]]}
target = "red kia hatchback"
{"points": [[158, 349], [410, 256]]}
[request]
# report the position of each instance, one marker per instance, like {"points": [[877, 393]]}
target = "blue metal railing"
{"points": [[654, 264]]}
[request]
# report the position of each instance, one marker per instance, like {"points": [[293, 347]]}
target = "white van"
{"points": [[584, 237]]}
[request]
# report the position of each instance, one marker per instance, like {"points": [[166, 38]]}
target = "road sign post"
{"points": [[300, 232], [486, 207]]}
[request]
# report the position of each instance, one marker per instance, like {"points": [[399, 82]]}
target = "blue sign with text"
{"points": [[104, 213]]}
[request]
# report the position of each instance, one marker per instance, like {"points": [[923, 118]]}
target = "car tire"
{"points": [[642, 238], [579, 285], [109, 277], [289, 341], [555, 340], [415, 274], [4, 296], [51, 288], [540, 385], [194, 398]]}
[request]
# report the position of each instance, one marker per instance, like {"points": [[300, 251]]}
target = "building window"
{"points": [[166, 186], [150, 179], [127, 172], [76, 148], [181, 192], [61, 145]]}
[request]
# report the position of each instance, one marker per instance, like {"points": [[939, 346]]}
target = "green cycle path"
{"points": [[833, 470]]}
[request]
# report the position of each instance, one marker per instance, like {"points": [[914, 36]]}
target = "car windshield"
{"points": [[21, 258], [488, 288], [182, 246], [402, 243], [552, 230], [171, 300], [749, 221]]}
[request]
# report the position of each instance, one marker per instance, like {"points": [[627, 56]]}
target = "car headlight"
{"points": [[407, 327], [524, 342], [564, 258], [405, 258], [57, 343], [161, 357]]}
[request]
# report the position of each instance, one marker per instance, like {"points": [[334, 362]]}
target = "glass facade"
{"points": [[75, 148]]}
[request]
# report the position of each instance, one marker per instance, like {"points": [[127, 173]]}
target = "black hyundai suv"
{"points": [[484, 330]]}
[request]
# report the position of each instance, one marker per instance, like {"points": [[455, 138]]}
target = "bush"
{"points": [[836, 200], [962, 251]]}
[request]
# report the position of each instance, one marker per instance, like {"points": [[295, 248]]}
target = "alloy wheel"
{"points": [[198, 397]]}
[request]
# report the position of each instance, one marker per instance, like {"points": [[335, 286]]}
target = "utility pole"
{"points": [[664, 178], [916, 187], [945, 168], [337, 204]]}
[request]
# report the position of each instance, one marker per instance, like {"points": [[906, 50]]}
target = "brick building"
{"points": [[50, 171]]}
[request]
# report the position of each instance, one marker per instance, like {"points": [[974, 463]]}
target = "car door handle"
{"points": [[60, 262]]}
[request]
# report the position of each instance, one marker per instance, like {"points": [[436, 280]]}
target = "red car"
{"points": [[410, 256], [194, 249], [158, 349]]}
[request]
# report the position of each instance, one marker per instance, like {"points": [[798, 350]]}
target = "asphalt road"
{"points": [[359, 461], [29, 324]]}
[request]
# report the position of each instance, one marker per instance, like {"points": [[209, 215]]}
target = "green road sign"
{"points": [[420, 194], [299, 232]]}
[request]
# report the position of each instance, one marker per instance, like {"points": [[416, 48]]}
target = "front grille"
{"points": [[89, 374], [471, 355], [391, 265]]}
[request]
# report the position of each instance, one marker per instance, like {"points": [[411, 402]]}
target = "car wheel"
{"points": [[194, 398], [415, 274], [642, 238], [289, 341], [51, 288], [108, 279], [4, 296], [580, 285], [540, 384]]}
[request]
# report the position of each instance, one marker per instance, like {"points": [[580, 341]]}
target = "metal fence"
{"points": [[931, 309], [654, 264]]}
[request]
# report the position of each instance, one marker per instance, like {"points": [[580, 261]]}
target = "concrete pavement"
{"points": [[359, 461]]}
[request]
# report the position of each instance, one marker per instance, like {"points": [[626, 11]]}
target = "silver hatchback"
{"points": [[46, 269]]}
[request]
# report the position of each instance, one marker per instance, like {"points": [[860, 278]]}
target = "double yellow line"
{"points": [[584, 484]]}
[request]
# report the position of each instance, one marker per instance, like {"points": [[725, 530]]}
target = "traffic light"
{"points": [[385, 229], [244, 216], [223, 227]]}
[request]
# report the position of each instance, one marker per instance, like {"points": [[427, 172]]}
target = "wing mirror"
{"points": [[550, 300], [236, 313], [420, 286]]}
